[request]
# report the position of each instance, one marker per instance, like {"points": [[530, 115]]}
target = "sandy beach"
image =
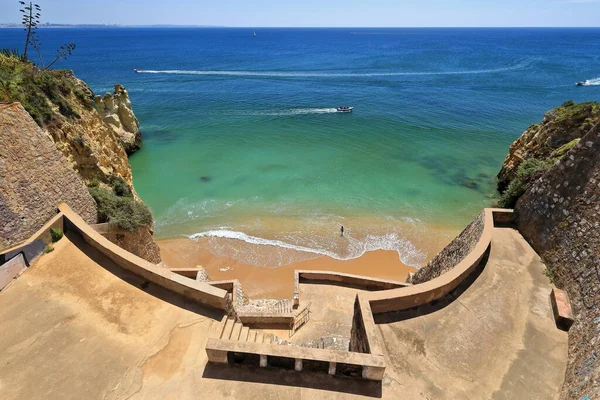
{"points": [[268, 282]]}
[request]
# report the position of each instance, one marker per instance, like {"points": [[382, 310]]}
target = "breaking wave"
{"points": [[407, 252]]}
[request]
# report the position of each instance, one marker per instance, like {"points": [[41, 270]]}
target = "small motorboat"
{"points": [[581, 83], [344, 109], [137, 71]]}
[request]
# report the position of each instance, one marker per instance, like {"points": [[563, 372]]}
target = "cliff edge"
{"points": [[93, 144]]}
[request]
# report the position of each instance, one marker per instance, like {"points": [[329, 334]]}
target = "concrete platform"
{"points": [[497, 340], [76, 326]]}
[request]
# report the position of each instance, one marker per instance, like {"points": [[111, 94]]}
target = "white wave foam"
{"points": [[407, 252], [592, 82], [296, 74]]}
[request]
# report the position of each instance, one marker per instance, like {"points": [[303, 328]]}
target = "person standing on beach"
{"points": [[342, 230]]}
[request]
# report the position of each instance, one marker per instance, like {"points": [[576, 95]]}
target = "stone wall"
{"points": [[560, 217], [452, 254], [34, 178]]}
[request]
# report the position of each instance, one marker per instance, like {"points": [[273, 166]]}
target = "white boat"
{"points": [[344, 109], [254, 34]]}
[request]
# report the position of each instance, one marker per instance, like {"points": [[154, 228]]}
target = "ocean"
{"points": [[242, 139]]}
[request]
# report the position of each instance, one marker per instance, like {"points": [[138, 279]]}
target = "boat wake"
{"points": [[407, 252], [293, 111], [298, 74], [591, 82]]}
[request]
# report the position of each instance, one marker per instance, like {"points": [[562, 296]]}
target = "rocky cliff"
{"points": [[34, 178], [541, 145], [117, 112], [65, 108]]}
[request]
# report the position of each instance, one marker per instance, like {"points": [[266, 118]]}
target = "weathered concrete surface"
{"points": [[497, 340], [78, 330], [76, 326], [332, 308]]}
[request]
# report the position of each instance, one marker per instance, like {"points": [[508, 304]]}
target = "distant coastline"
{"points": [[49, 25]]}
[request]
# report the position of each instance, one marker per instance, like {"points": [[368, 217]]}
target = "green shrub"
{"points": [[528, 170], [48, 249], [56, 234], [125, 212], [564, 149], [119, 186]]}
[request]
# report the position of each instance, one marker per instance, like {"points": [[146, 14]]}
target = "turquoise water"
{"points": [[241, 137]]}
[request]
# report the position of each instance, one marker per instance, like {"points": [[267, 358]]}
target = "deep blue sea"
{"points": [[241, 137]]}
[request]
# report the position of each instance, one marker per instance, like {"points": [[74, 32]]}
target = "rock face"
{"points": [[560, 129], [560, 216], [34, 178], [116, 111], [90, 144]]}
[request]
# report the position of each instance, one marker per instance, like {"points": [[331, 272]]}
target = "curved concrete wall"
{"points": [[423, 293], [198, 291]]}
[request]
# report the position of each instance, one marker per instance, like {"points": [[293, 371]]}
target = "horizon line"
{"points": [[11, 25]]}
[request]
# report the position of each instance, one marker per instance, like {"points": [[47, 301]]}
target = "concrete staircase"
{"points": [[268, 306], [235, 331]]}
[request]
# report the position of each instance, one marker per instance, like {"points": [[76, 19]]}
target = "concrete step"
{"points": [[252, 336], [227, 329], [244, 334], [260, 337], [235, 333]]}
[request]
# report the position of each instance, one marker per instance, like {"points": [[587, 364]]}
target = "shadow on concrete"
{"points": [[304, 281], [140, 283], [304, 379], [436, 305]]}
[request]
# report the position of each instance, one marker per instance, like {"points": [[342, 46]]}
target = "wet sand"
{"points": [[277, 283]]}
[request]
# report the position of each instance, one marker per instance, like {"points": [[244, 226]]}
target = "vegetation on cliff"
{"points": [[116, 205], [543, 145], [528, 171], [45, 94]]}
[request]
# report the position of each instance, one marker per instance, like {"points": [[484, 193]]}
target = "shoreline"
{"points": [[220, 258]]}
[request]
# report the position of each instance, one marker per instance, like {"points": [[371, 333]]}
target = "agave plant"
{"points": [[31, 19]]}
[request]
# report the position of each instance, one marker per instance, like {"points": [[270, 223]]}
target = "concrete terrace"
{"points": [[76, 325]]}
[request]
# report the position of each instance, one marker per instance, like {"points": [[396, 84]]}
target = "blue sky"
{"points": [[317, 13]]}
